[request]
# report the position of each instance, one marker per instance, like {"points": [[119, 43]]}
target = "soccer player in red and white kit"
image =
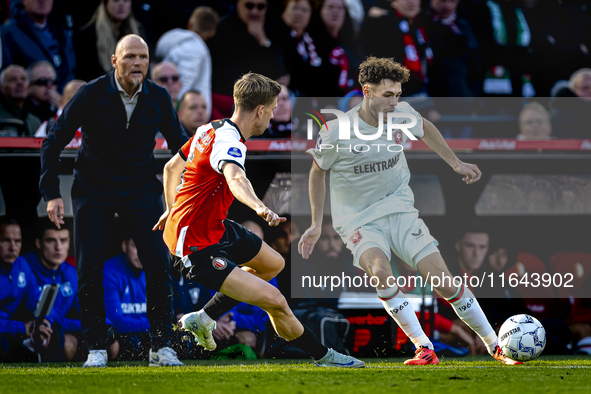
{"points": [[200, 183]]}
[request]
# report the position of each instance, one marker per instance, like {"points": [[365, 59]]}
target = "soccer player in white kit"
{"points": [[373, 206]]}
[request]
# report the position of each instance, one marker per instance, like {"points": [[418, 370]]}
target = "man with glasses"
{"points": [[242, 35], [15, 119], [43, 99], [167, 75]]}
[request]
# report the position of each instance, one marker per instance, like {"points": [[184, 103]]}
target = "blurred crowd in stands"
{"points": [[538, 51]]}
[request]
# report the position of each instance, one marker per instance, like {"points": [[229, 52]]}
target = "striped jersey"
{"points": [[203, 197]]}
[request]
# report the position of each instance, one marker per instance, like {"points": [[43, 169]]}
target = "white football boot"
{"points": [[165, 357], [96, 358], [336, 359], [192, 322]]}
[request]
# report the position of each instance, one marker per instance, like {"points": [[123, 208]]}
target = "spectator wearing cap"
{"points": [[192, 111], [18, 121], [96, 41], [167, 75], [35, 34], [186, 48], [43, 97]]}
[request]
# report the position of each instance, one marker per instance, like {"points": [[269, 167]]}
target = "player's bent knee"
{"points": [[279, 264], [273, 302], [377, 267], [275, 265]]}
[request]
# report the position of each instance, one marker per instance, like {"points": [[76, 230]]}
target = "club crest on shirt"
{"points": [[356, 237], [398, 137], [235, 152], [219, 263], [22, 280], [66, 289], [204, 139]]}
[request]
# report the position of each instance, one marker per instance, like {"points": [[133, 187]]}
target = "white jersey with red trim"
{"points": [[368, 178], [203, 197]]}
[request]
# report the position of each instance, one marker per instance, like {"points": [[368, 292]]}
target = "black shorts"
{"points": [[211, 266]]}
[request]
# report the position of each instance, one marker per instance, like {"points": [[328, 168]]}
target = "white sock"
{"points": [[401, 310], [205, 319], [468, 309]]}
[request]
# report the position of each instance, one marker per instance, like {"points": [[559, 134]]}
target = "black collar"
{"points": [[237, 128]]}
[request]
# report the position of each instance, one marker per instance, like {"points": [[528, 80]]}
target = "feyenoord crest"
{"points": [[398, 136], [356, 237], [219, 263]]}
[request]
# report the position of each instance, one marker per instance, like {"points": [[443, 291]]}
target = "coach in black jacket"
{"points": [[115, 172]]}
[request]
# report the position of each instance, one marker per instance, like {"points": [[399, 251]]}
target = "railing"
{"points": [[288, 145]]}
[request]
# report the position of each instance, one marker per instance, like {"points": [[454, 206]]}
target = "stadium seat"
{"points": [[576, 264], [71, 260]]}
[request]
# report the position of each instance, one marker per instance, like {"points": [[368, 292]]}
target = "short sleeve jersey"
{"points": [[368, 178], [203, 197]]}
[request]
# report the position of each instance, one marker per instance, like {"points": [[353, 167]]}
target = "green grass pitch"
{"points": [[453, 375]]}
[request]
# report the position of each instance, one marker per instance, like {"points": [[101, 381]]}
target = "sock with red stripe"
{"points": [[469, 311], [401, 310]]}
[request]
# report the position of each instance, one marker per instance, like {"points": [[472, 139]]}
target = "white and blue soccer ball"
{"points": [[522, 338]]}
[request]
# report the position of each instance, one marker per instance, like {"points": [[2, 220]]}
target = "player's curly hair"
{"points": [[253, 90], [374, 69]]}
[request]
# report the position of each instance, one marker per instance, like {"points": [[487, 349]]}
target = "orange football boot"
{"points": [[500, 356], [423, 356]]}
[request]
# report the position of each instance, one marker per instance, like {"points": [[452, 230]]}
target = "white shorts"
{"points": [[404, 233]]}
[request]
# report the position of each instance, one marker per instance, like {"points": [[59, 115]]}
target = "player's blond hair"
{"points": [[253, 90]]}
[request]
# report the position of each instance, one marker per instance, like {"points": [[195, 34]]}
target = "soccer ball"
{"points": [[522, 338]]}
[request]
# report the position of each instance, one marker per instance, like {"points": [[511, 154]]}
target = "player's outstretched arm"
{"points": [[171, 179], [435, 140], [242, 189], [317, 191]]}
